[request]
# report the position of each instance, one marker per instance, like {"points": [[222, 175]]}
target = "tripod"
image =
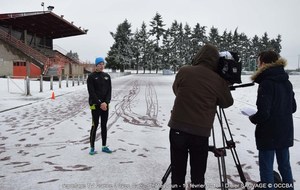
{"points": [[220, 153]]}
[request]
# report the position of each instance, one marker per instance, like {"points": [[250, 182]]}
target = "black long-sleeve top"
{"points": [[99, 88]]}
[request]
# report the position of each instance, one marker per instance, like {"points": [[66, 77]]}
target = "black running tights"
{"points": [[96, 114]]}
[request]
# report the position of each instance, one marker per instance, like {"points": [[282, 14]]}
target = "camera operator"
{"points": [[199, 89]]}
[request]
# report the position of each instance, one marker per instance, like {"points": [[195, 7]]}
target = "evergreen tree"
{"points": [[243, 48], [166, 49], [136, 51], [214, 37], [157, 30], [179, 45], [175, 60], [120, 54], [199, 38], [151, 55], [235, 41], [187, 45], [230, 41], [140, 47], [275, 44], [254, 50], [224, 43], [265, 42]]}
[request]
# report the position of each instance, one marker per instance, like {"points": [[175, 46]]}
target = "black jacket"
{"points": [[99, 88], [275, 106]]}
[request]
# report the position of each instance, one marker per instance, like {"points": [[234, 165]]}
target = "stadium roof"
{"points": [[42, 23]]}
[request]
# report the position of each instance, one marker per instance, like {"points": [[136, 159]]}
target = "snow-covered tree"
{"points": [[199, 37], [166, 49], [140, 47], [161, 48], [214, 37], [157, 30], [187, 45], [120, 53]]}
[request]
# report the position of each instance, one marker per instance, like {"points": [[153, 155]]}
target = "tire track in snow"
{"points": [[124, 108]]}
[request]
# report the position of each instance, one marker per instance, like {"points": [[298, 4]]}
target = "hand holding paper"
{"points": [[248, 111]]}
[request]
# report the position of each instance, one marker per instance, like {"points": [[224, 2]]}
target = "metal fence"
{"points": [[22, 85]]}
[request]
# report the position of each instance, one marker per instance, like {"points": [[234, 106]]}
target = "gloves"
{"points": [[251, 118]]}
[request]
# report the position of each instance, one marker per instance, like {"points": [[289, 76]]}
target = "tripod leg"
{"points": [[165, 177], [222, 173], [239, 167], [231, 145]]}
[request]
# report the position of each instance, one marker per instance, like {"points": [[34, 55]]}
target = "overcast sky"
{"points": [[103, 16]]}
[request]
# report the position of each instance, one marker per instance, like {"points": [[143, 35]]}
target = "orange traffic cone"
{"points": [[52, 96]]}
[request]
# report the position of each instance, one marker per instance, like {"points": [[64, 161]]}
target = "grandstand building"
{"points": [[26, 45]]}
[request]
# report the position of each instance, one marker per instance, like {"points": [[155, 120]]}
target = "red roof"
{"points": [[42, 23]]}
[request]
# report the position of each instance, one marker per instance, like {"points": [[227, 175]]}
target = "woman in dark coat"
{"points": [[274, 120]]}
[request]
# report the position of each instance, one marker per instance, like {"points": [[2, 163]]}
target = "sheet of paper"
{"points": [[248, 111]]}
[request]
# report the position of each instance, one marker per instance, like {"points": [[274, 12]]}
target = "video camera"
{"points": [[230, 67]]}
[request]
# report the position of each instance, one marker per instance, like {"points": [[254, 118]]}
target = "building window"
{"points": [[19, 63]]}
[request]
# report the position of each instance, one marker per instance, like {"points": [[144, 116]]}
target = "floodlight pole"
{"points": [[43, 5], [298, 62]]}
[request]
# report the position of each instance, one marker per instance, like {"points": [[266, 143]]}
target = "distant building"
{"points": [[26, 45]]}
